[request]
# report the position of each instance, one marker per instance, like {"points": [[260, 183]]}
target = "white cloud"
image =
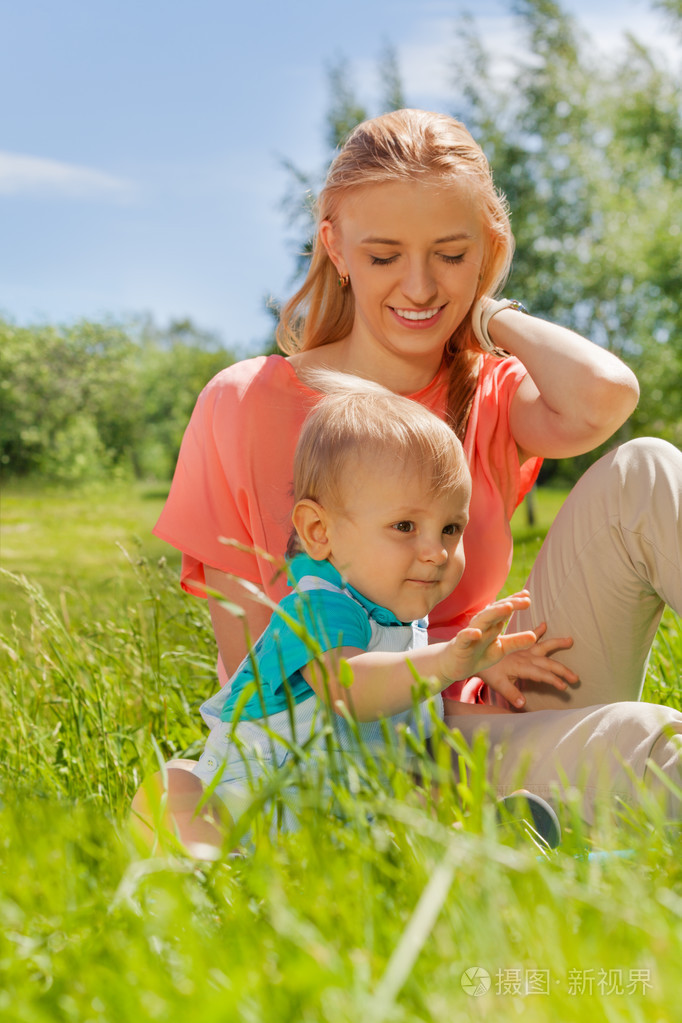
{"points": [[428, 57], [428, 60], [36, 176]]}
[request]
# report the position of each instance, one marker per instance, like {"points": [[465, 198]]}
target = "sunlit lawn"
{"points": [[73, 541], [77, 542], [376, 913]]}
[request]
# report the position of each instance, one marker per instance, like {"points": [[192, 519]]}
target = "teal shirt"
{"points": [[331, 619]]}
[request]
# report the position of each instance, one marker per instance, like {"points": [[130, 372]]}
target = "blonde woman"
{"points": [[412, 250]]}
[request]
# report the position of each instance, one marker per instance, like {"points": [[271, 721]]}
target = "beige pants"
{"points": [[611, 562], [599, 753]]}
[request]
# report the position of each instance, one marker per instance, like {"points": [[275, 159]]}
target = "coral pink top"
{"points": [[234, 477]]}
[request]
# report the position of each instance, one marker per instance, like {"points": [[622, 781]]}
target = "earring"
{"points": [[344, 280]]}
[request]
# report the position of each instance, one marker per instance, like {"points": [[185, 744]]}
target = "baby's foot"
{"points": [[531, 813]]}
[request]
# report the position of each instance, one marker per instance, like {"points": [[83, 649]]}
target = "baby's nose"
{"points": [[435, 551]]}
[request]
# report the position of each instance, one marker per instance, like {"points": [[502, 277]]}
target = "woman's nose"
{"points": [[418, 285]]}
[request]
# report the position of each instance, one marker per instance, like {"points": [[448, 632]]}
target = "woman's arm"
{"points": [[228, 627], [576, 394]]}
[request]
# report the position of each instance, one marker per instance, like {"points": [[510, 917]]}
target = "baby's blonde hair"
{"points": [[404, 145], [357, 420]]}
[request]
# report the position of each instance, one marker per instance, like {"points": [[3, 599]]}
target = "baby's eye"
{"points": [[404, 527], [452, 529]]}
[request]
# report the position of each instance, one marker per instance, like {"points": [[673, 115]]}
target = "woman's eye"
{"points": [[404, 527], [378, 261], [452, 259]]}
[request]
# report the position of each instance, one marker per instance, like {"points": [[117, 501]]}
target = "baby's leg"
{"points": [[610, 563], [242, 765], [603, 752], [164, 812]]}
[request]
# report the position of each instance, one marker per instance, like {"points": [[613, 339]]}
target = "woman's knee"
{"points": [[637, 486], [634, 723], [649, 456], [637, 465]]}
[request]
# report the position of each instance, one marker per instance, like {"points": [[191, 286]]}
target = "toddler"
{"points": [[381, 502]]}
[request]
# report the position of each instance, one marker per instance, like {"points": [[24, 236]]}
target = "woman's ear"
{"points": [[310, 522], [329, 236]]}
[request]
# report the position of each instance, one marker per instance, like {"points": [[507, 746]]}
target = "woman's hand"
{"points": [[483, 644], [576, 393], [534, 663]]}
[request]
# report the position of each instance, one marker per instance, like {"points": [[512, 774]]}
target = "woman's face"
{"points": [[413, 251]]}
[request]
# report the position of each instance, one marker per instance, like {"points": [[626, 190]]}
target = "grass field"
{"points": [[384, 913]]}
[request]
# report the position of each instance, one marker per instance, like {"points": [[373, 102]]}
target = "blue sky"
{"points": [[141, 142]]}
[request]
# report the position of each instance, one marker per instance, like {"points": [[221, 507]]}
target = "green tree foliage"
{"points": [[175, 364], [80, 401], [392, 91], [345, 112], [673, 9], [588, 149]]}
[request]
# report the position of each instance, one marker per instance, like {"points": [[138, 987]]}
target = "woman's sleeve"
{"points": [[208, 498]]}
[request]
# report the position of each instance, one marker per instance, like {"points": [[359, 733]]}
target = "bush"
{"points": [[80, 400]]}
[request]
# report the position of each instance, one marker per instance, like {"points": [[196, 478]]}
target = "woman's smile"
{"points": [[418, 319], [413, 251]]}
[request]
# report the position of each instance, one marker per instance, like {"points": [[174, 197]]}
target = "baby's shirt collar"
{"points": [[302, 564]]}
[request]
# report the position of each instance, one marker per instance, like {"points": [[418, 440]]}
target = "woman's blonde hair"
{"points": [[405, 145], [356, 420]]}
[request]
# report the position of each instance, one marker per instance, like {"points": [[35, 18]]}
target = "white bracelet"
{"points": [[482, 314]]}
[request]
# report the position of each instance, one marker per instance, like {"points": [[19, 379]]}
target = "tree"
{"points": [[174, 364], [673, 10], [588, 150], [344, 113], [69, 406], [81, 400], [392, 92]]}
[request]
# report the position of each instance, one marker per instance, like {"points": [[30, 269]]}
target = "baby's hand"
{"points": [[482, 644], [535, 664]]}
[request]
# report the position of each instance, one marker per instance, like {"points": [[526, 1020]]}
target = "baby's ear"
{"points": [[310, 522]]}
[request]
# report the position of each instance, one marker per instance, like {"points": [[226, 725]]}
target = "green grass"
{"points": [[76, 543], [361, 917]]}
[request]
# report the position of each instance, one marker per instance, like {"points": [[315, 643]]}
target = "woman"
{"points": [[413, 244]]}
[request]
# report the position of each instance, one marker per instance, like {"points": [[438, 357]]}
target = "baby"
{"points": [[381, 499]]}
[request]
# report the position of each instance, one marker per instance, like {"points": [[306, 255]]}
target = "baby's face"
{"points": [[397, 543]]}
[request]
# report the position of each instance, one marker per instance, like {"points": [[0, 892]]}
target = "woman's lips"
{"points": [[417, 319]]}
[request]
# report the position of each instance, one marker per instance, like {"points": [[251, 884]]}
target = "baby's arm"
{"points": [[383, 681]]}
